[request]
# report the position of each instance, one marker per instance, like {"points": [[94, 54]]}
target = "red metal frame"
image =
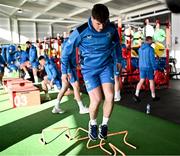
{"points": [[167, 52]]}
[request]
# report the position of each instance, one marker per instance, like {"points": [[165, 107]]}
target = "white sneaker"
{"points": [[57, 111], [27, 76], [55, 88], [116, 99], [84, 110], [49, 87]]}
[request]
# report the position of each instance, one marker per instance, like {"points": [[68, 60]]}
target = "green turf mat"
{"points": [[151, 135]]}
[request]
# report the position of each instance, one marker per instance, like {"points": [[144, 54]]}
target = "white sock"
{"points": [[80, 104], [57, 103], [93, 122], [27, 73], [105, 120], [35, 79], [137, 92], [153, 94], [117, 94]]}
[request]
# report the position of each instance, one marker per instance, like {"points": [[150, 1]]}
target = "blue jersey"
{"points": [[11, 59], [52, 71], [116, 57], [33, 54], [147, 57], [72, 58], [10, 54], [2, 64], [95, 47], [21, 56], [4, 53]]}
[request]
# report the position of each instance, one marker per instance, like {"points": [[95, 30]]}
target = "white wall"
{"points": [[176, 36], [27, 31], [58, 29], [13, 31], [43, 30], [5, 32]]}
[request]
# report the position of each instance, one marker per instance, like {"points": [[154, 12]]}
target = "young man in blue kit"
{"points": [[22, 59], [147, 66], [73, 80], [95, 40], [33, 59], [53, 76]]}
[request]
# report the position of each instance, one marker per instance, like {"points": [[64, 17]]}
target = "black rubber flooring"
{"points": [[168, 107]]}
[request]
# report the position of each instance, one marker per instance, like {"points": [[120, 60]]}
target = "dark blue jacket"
{"points": [[11, 54], [52, 71], [2, 64], [22, 56], [147, 57], [95, 47], [72, 58], [33, 54]]}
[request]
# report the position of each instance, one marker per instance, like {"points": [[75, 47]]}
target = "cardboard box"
{"points": [[19, 83], [26, 96], [6, 80]]}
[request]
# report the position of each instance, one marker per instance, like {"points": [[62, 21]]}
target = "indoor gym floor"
{"points": [[20, 128]]}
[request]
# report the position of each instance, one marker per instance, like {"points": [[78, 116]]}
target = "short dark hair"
{"points": [[19, 46], [71, 31], [148, 38], [28, 42], [100, 12], [41, 58]]}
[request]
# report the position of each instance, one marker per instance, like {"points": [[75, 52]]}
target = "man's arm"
{"points": [[53, 73], [152, 59], [118, 50], [33, 56], [70, 45]]}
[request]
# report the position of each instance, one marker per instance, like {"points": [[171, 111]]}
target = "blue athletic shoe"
{"points": [[103, 129], [92, 132]]}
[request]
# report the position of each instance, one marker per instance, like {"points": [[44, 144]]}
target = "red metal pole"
{"points": [[120, 30], [167, 51]]}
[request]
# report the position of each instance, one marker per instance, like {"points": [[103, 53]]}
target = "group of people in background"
{"points": [[27, 61]]}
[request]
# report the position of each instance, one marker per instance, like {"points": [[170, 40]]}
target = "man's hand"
{"points": [[119, 66], [155, 71], [69, 76]]}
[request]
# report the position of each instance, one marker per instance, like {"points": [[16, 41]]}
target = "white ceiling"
{"points": [[69, 13]]}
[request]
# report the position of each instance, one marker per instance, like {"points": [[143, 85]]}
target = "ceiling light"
{"points": [[32, 0], [20, 11]]}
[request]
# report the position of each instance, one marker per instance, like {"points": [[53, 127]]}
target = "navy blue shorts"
{"points": [[96, 77], [149, 74], [57, 83], [74, 77]]}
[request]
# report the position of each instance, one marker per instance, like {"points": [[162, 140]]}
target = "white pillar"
{"points": [[176, 38], [14, 31]]}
